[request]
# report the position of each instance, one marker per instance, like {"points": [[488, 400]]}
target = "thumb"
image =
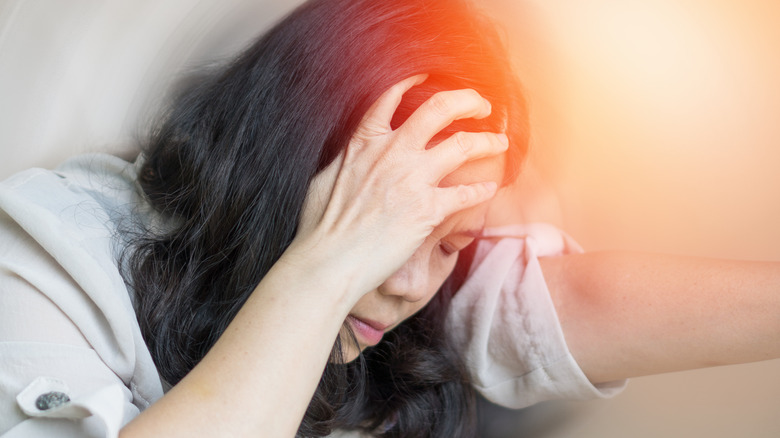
{"points": [[318, 195]]}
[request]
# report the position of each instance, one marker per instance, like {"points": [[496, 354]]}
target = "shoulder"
{"points": [[66, 219], [58, 252], [102, 181]]}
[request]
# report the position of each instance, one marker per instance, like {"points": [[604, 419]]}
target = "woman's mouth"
{"points": [[367, 331]]}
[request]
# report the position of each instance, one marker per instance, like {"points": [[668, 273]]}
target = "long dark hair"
{"points": [[229, 165]]}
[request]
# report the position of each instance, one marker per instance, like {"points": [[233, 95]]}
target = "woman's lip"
{"points": [[370, 332], [374, 324]]}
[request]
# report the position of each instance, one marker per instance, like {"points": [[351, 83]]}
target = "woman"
{"points": [[285, 196], [224, 259], [243, 155]]}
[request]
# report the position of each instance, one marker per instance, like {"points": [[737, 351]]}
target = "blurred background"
{"points": [[655, 127]]}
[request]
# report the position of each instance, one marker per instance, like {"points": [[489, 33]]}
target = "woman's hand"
{"points": [[375, 205]]}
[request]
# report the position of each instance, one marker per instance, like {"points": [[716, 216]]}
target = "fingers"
{"points": [[377, 118], [456, 198], [439, 111], [462, 147]]}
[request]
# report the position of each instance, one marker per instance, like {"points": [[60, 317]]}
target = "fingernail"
{"points": [[504, 139]]}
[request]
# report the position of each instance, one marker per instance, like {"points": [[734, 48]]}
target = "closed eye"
{"points": [[447, 248], [453, 243]]}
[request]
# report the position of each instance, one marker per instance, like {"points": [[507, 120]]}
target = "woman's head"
{"points": [[232, 159]]}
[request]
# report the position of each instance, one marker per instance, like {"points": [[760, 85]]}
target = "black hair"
{"points": [[229, 165]]}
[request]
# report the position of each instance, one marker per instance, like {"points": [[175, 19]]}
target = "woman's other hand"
{"points": [[371, 208]]}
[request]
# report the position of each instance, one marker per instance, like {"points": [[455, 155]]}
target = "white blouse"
{"points": [[72, 359]]}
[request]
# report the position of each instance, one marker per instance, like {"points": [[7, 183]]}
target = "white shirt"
{"points": [[67, 324]]}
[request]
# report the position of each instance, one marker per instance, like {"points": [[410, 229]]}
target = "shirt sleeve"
{"points": [[504, 321]]}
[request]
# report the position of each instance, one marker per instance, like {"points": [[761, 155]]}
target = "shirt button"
{"points": [[51, 400]]}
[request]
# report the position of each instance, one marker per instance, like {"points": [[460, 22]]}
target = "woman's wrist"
{"points": [[323, 268]]}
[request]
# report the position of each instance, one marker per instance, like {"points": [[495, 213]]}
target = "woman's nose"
{"points": [[410, 282]]}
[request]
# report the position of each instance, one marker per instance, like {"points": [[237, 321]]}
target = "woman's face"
{"points": [[411, 287]]}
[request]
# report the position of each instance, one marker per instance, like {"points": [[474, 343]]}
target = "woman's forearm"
{"points": [[258, 378], [627, 314]]}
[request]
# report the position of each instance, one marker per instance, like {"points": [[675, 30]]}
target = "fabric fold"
{"points": [[504, 320]]}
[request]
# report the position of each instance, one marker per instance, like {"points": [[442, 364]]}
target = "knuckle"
{"points": [[464, 194], [442, 103], [370, 127], [464, 142], [438, 214], [493, 144]]}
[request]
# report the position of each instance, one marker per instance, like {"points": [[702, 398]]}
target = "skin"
{"points": [[412, 286], [628, 314]]}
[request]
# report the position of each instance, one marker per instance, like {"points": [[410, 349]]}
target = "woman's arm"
{"points": [[258, 377], [627, 314]]}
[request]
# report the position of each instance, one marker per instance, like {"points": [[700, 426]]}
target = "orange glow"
{"points": [[656, 122]]}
